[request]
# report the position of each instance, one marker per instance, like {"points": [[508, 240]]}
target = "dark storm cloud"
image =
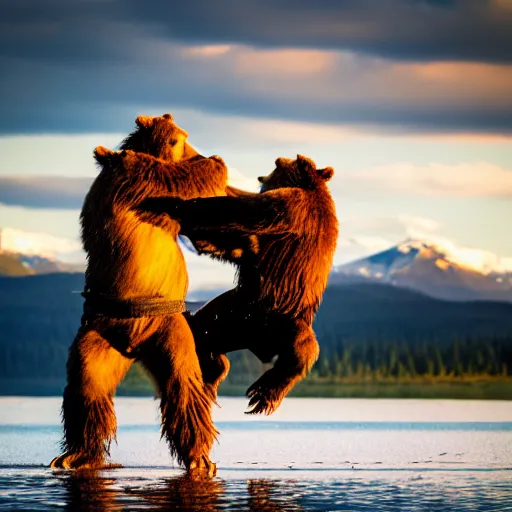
{"points": [[44, 192], [84, 66], [397, 29], [321, 88], [403, 29]]}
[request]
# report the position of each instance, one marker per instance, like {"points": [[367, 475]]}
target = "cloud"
{"points": [[55, 192], [292, 63], [362, 237], [429, 230], [436, 180], [371, 243], [345, 89], [396, 64], [69, 155], [483, 261], [110, 31], [238, 180], [206, 51], [414, 224], [42, 244]]}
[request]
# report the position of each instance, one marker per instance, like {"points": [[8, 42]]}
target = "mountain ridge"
{"points": [[19, 264], [413, 264], [430, 269]]}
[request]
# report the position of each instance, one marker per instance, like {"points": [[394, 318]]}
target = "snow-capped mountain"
{"points": [[42, 265], [17, 264], [437, 270], [26, 253], [431, 269]]}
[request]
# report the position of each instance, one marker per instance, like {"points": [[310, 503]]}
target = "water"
{"points": [[312, 455]]}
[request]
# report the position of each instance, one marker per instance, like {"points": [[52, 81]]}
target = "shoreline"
{"points": [[464, 389]]}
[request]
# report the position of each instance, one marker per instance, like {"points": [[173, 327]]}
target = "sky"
{"points": [[409, 100]]}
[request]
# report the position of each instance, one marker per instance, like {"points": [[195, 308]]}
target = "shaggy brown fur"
{"points": [[130, 260], [290, 232]]}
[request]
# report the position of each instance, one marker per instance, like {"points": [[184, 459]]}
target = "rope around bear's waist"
{"points": [[100, 305]]}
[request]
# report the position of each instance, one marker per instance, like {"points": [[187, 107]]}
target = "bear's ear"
{"points": [[101, 154], [326, 174], [283, 162], [101, 151], [305, 163], [144, 121], [168, 117]]}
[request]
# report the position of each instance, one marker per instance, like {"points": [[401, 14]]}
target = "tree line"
{"points": [[340, 359]]}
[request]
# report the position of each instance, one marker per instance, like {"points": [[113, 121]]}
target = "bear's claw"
{"points": [[262, 400], [70, 460], [204, 468]]}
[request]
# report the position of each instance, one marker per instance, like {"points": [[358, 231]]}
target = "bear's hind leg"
{"points": [[295, 359], [217, 328], [185, 405], [215, 368], [94, 371]]}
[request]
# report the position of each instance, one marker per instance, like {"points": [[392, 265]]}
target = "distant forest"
{"points": [[367, 333], [346, 359]]}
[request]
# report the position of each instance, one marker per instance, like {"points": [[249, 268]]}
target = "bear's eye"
{"points": [[172, 142]]}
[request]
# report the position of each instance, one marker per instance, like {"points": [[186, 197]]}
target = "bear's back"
{"points": [[294, 268]]}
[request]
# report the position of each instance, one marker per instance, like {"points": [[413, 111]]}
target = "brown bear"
{"points": [[135, 286], [282, 241]]}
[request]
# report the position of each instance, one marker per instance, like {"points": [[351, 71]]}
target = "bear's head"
{"points": [[160, 137], [299, 173]]}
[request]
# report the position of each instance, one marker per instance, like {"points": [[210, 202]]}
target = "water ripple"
{"points": [[123, 489]]}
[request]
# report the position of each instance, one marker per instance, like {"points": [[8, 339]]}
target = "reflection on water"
{"points": [[90, 490], [373, 455], [120, 489]]}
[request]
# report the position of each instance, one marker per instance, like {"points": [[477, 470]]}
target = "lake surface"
{"points": [[312, 455]]}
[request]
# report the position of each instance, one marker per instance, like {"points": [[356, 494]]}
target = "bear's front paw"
{"points": [[263, 399]]}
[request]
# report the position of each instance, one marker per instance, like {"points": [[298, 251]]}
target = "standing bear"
{"points": [[135, 286], [282, 241]]}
